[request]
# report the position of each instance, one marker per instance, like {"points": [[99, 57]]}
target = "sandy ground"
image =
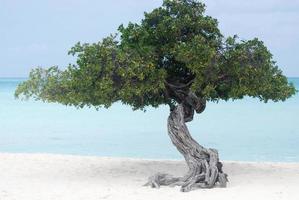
{"points": [[53, 177]]}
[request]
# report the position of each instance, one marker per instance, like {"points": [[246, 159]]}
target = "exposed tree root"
{"points": [[205, 170]]}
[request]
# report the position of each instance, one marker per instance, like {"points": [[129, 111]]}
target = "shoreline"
{"points": [[145, 159], [63, 177]]}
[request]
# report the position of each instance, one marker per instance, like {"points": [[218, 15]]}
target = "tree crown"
{"points": [[175, 47]]}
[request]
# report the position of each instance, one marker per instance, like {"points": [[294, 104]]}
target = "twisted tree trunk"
{"points": [[205, 170]]}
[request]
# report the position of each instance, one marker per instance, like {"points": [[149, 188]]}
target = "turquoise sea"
{"points": [[245, 130]]}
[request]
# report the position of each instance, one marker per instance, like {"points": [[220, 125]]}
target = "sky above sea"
{"points": [[40, 33]]}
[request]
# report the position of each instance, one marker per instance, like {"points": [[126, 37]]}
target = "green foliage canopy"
{"points": [[174, 44]]}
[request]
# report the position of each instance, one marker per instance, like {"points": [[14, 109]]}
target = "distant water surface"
{"points": [[245, 130]]}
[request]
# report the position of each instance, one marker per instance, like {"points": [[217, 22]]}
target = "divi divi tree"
{"points": [[175, 56]]}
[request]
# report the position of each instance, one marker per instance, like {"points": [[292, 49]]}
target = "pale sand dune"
{"points": [[42, 177]]}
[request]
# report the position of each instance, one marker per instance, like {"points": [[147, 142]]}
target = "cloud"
{"points": [[233, 7], [40, 32]]}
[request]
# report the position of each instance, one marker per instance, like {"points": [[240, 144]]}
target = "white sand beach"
{"points": [[63, 177]]}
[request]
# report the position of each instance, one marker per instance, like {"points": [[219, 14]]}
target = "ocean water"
{"points": [[245, 130]]}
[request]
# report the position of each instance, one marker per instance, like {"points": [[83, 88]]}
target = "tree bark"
{"points": [[205, 170]]}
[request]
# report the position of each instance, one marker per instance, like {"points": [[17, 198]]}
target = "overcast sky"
{"points": [[40, 32]]}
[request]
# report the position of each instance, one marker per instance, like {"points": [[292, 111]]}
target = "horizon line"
{"points": [[16, 77]]}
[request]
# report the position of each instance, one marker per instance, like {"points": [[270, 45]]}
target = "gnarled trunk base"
{"points": [[205, 170]]}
